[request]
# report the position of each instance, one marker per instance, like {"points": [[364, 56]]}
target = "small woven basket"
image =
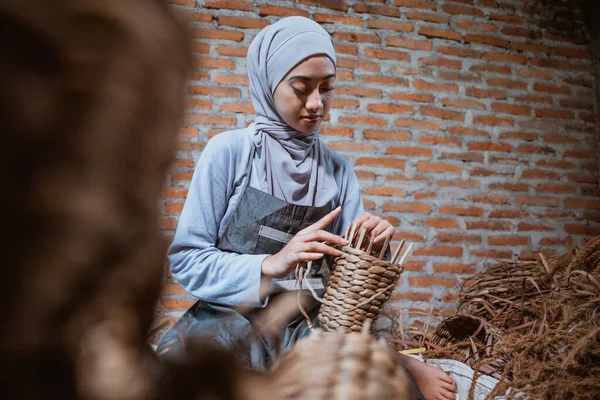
{"points": [[335, 366], [358, 288]]}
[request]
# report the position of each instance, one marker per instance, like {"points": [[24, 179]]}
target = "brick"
{"points": [[351, 146], [439, 251], [527, 227], [489, 146], [368, 175], [346, 49], [209, 119], [533, 47], [487, 172], [497, 69], [580, 203], [424, 4], [442, 223], [345, 103], [441, 113], [389, 25], [381, 162], [331, 4], [578, 153], [356, 37], [188, 132], [577, 104], [217, 34], [407, 207], [507, 58], [357, 64], [441, 62], [386, 108], [232, 51], [440, 33], [242, 22], [402, 177], [534, 73], [215, 91], [183, 2], [463, 131], [470, 25], [463, 211], [193, 15], [385, 191], [552, 113], [202, 48], [229, 4], [345, 75], [462, 183], [549, 63], [174, 192], [424, 195], [457, 76], [539, 174], [487, 225], [486, 93], [387, 54], [582, 178], [452, 237], [531, 98], [377, 10], [582, 229], [369, 205], [246, 108], [409, 151], [337, 131], [232, 79], [435, 87], [514, 19], [409, 44], [493, 121], [386, 135], [463, 103], [459, 52], [363, 120], [511, 109], [461, 10], [510, 214], [426, 16], [413, 97], [508, 240], [282, 11], [493, 254], [491, 199], [440, 140], [423, 166], [563, 164], [537, 201], [507, 83], [217, 63], [336, 19], [199, 104], [359, 91], [385, 80], [521, 32], [571, 52], [484, 39], [181, 176], [410, 296], [411, 123], [427, 281]]}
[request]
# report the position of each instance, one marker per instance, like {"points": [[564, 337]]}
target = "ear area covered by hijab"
{"points": [[297, 168]]}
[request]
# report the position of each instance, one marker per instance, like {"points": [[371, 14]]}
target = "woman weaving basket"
{"points": [[264, 198]]}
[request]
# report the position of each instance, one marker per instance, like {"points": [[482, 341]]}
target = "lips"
{"points": [[312, 118]]}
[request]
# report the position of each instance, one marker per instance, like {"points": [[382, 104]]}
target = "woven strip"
{"points": [[356, 278], [336, 366]]}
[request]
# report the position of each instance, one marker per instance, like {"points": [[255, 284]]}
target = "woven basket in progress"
{"points": [[336, 366], [357, 290]]}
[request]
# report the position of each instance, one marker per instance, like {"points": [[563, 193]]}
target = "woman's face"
{"points": [[303, 97]]}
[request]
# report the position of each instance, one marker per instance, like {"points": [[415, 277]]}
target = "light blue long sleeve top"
{"points": [[226, 278]]}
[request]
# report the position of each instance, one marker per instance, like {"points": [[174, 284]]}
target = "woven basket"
{"points": [[336, 366], [358, 288]]}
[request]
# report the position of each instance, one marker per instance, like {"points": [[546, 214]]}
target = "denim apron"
{"points": [[261, 224]]}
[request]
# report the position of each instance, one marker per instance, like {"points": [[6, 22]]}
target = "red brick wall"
{"points": [[468, 123]]}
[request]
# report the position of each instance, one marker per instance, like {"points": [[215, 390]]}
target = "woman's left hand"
{"points": [[374, 225]]}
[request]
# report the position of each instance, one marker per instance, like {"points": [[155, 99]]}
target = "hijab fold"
{"points": [[296, 165]]}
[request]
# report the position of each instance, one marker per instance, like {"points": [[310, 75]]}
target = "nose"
{"points": [[314, 102]]}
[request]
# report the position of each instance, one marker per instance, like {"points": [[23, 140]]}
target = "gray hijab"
{"points": [[296, 166]]}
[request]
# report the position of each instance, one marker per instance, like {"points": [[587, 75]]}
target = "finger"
{"points": [[361, 219], [446, 378], [446, 394], [389, 231], [318, 247], [305, 256], [326, 220], [371, 223], [325, 236], [451, 387]]}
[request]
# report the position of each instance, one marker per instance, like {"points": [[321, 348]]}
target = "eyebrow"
{"points": [[308, 79]]}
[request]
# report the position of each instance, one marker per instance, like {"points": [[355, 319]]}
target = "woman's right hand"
{"points": [[306, 245]]}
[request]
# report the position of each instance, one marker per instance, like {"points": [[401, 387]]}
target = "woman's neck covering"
{"points": [[296, 165]]}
